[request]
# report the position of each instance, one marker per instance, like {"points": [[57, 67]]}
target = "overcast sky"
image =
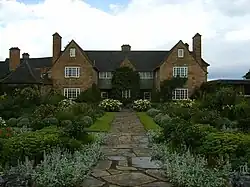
{"points": [[144, 24]]}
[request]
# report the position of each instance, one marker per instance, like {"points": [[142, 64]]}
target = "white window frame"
{"points": [[180, 53], [146, 75], [102, 95], [105, 75], [145, 97], [72, 52], [126, 94], [180, 94], [180, 71], [70, 72], [67, 92]]}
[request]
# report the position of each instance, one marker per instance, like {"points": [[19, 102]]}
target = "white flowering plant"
{"points": [[2, 122], [141, 105], [110, 105], [65, 104], [188, 103]]}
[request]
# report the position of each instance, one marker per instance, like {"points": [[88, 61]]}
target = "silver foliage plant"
{"points": [[62, 168], [186, 169]]}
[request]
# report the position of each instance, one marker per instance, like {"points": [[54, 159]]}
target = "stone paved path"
{"points": [[127, 162]]}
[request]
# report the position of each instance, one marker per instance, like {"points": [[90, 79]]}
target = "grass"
{"points": [[103, 123], [147, 121]]}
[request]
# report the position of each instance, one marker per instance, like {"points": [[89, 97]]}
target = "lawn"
{"points": [[103, 123], [147, 121]]}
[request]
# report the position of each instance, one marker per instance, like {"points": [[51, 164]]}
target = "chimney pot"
{"points": [[26, 55], [14, 58], [126, 48]]}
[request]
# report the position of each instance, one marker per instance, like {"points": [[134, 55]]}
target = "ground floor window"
{"points": [[126, 94], [72, 93], [104, 95], [147, 95], [180, 94]]}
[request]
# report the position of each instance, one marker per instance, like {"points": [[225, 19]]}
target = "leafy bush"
{"points": [[75, 130], [205, 116], [23, 122], [65, 115], [12, 122], [91, 95], [224, 123], [6, 132], [165, 119], [153, 112], [44, 111], [53, 98], [31, 144], [65, 104], [110, 105], [87, 120], [65, 123], [141, 105], [157, 118], [50, 121], [185, 169]]}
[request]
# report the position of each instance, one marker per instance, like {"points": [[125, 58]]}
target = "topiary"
{"points": [[65, 123], [12, 122], [88, 121], [23, 122], [50, 121]]}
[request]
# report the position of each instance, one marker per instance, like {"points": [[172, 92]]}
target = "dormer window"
{"points": [[180, 53], [72, 52]]}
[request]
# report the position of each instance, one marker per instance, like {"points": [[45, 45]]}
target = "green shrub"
{"points": [[157, 118], [71, 144], [31, 144], [12, 122], [205, 117], [197, 133], [50, 121], [65, 115], [53, 98], [223, 122], [164, 120], [44, 111], [23, 122], [91, 95], [86, 120], [153, 112], [65, 123]]}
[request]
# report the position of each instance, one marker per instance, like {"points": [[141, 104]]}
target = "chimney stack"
{"points": [[197, 47], [57, 46], [14, 56], [126, 48], [186, 44], [26, 55]]}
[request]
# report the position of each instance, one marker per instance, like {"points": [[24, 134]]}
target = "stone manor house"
{"points": [[74, 69]]}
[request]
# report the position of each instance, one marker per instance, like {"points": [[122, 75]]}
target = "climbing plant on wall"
{"points": [[168, 86], [125, 78]]}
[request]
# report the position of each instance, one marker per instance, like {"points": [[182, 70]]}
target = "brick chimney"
{"points": [[26, 55], [126, 48], [197, 47], [57, 45], [14, 58]]}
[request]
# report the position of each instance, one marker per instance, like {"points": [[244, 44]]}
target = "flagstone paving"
{"points": [[127, 160]]}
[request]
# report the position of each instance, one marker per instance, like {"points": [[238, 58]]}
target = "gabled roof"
{"points": [[24, 74], [110, 60]]}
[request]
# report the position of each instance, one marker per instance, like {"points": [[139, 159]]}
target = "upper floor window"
{"points": [[72, 52], [72, 72], [126, 94], [180, 53], [105, 75], [180, 94], [181, 71], [146, 75], [71, 93]]}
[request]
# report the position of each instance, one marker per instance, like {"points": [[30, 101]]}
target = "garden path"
{"points": [[127, 159]]}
